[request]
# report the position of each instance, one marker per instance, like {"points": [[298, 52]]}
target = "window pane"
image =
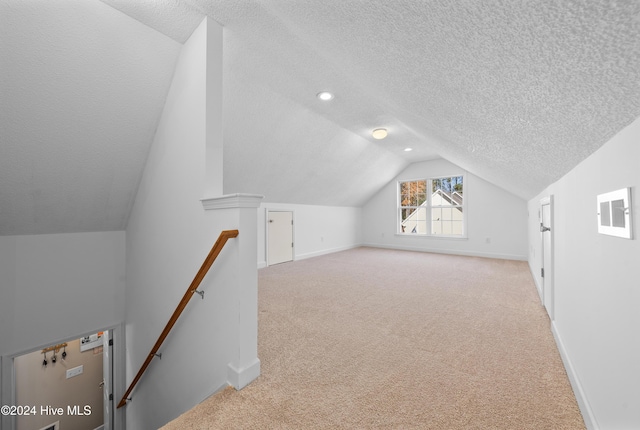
{"points": [[404, 188], [422, 198], [436, 227], [457, 198], [437, 185], [414, 220], [457, 184], [405, 213], [413, 193], [436, 214], [404, 199]]}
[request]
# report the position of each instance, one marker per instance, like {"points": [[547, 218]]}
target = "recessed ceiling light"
{"points": [[408, 149], [379, 133], [324, 95]]}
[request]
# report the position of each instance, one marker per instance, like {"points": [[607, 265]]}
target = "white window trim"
{"points": [[429, 180]]}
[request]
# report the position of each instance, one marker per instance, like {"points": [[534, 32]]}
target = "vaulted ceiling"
{"points": [[516, 92]]}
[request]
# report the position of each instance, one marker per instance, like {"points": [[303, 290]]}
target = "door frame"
{"points": [[266, 230], [108, 405], [118, 377], [548, 285]]}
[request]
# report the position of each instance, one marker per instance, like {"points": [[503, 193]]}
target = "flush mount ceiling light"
{"points": [[324, 95], [408, 149], [379, 133]]}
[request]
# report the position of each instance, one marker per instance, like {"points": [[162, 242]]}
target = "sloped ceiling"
{"points": [[517, 93], [82, 87]]}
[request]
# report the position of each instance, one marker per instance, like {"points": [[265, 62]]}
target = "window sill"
{"points": [[432, 236]]}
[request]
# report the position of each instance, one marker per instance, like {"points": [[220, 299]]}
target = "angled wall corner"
{"points": [[214, 121]]}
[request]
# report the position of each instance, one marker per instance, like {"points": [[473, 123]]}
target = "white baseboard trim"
{"points": [[325, 251], [263, 264], [448, 251], [583, 403], [240, 378]]}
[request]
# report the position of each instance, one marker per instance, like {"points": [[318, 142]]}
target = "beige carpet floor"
{"points": [[382, 339]]}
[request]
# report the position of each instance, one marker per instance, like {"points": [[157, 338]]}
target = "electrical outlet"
{"points": [[75, 371]]}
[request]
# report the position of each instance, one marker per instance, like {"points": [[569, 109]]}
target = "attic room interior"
{"points": [[134, 132]]}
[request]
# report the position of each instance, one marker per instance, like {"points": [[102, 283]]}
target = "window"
{"points": [[432, 206]]}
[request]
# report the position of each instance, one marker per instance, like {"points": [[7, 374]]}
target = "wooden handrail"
{"points": [[213, 254]]}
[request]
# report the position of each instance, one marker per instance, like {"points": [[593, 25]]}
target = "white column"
{"points": [[241, 210]]}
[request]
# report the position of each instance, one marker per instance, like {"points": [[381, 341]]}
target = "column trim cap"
{"points": [[230, 201]]}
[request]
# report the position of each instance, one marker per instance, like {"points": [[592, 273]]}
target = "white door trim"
{"points": [[293, 233], [548, 286]]}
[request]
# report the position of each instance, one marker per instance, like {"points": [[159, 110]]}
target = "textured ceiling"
{"points": [[516, 92], [82, 87]]}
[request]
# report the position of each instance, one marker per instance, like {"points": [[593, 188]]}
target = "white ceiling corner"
{"points": [[173, 18]]}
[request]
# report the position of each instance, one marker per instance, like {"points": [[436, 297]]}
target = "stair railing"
{"points": [[213, 254]]}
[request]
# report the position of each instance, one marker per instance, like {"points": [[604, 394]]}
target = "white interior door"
{"points": [[107, 354], [547, 262], [279, 237]]}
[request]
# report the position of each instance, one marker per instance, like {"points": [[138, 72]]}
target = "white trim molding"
{"points": [[231, 201], [448, 251], [585, 408], [240, 378]]}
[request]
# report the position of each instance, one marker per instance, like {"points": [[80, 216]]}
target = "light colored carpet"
{"points": [[381, 339]]}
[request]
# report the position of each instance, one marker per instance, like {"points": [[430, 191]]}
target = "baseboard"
{"points": [[325, 251], [583, 403], [240, 378], [263, 264], [448, 251]]}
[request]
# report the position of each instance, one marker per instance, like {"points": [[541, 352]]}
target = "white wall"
{"points": [[58, 286], [597, 287], [168, 236], [496, 219], [54, 288], [317, 229]]}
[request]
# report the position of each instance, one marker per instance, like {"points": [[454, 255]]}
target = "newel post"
{"points": [[240, 211]]}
